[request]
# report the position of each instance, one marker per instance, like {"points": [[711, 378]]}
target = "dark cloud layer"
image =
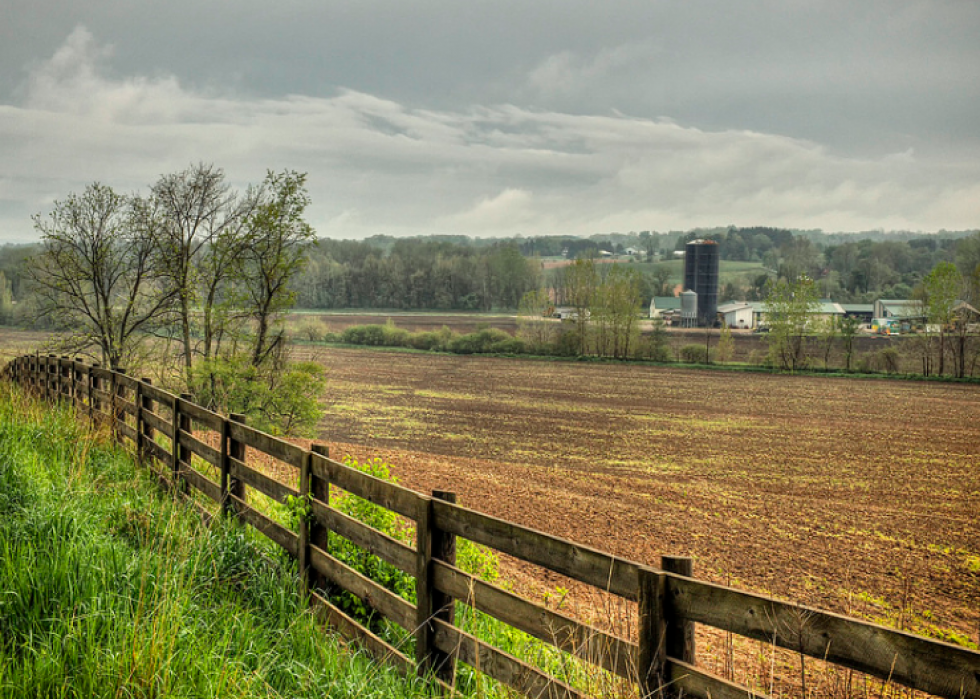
{"points": [[506, 117]]}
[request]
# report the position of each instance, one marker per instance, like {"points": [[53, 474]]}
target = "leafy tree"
{"points": [[939, 293], [276, 398], [99, 272], [6, 300], [968, 262], [789, 308], [828, 330], [581, 282], [848, 331], [534, 323], [657, 345], [725, 349], [274, 249], [615, 311]]}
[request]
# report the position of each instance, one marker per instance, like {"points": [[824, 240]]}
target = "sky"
{"points": [[506, 117]]}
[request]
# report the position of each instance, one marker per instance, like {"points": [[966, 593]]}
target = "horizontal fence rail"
{"points": [[204, 457]]}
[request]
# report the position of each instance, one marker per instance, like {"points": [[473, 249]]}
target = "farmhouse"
{"points": [[899, 309], [738, 314], [661, 306], [862, 312]]}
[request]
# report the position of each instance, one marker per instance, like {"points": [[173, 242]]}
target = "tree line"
{"points": [[192, 278], [946, 340], [415, 274], [460, 273]]}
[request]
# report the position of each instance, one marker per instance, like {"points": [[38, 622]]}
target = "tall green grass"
{"points": [[108, 589]]}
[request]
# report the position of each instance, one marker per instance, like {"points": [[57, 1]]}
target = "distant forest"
{"points": [[460, 273], [473, 274]]}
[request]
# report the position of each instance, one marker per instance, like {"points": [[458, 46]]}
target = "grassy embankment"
{"points": [[109, 589]]}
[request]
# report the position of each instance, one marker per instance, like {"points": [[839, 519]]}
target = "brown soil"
{"points": [[854, 496]]}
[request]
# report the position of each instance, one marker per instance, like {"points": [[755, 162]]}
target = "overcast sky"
{"points": [[504, 117]]}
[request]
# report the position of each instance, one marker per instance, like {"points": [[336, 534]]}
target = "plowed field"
{"points": [[853, 495]]}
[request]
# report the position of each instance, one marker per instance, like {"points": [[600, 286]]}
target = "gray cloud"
{"points": [[496, 118]]}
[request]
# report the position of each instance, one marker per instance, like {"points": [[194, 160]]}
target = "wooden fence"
{"points": [[661, 661]]}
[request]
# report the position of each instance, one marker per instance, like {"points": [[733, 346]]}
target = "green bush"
{"points": [[486, 341], [278, 400], [310, 330], [426, 340], [396, 337], [885, 360], [370, 335], [385, 521], [694, 354]]}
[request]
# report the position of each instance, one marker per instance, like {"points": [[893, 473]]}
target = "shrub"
{"points": [[371, 335], [279, 400], [395, 337], [568, 342], [310, 330], [694, 354], [884, 360], [426, 340], [486, 341]]}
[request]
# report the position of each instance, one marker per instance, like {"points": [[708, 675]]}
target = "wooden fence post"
{"points": [[96, 386], [50, 385], [181, 455], [679, 632], [652, 634], [311, 531], [76, 379], [118, 394], [433, 544], [144, 433], [231, 449], [64, 382]]}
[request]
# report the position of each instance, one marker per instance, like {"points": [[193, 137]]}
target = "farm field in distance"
{"points": [[857, 496]]}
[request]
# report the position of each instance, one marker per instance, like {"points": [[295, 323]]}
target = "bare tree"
{"points": [[201, 240], [98, 274]]}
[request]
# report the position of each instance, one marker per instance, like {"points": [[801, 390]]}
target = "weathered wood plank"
{"points": [[126, 406], [350, 629], [932, 666], [371, 540], [99, 394], [278, 534], [198, 481], [267, 444], [609, 652], [127, 382], [101, 415], [373, 595], [688, 681], [209, 419], [261, 482], [157, 451], [205, 451], [388, 495], [157, 423], [578, 562], [126, 430], [501, 666], [157, 394]]}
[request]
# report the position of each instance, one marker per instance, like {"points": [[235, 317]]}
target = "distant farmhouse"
{"points": [[751, 315]]}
